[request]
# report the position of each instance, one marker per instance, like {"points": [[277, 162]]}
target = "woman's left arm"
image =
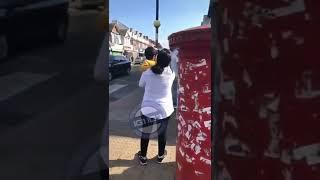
{"points": [[142, 81]]}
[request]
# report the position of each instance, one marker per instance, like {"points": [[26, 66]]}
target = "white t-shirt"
{"points": [[157, 93]]}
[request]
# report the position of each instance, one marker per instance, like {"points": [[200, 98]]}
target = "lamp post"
{"points": [[156, 23]]}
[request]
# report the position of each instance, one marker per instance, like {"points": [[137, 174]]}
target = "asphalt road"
{"points": [[52, 112]]}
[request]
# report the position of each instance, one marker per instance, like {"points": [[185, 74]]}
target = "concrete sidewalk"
{"points": [[124, 144]]}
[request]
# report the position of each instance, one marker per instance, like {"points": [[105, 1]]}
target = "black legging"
{"points": [[162, 139]]}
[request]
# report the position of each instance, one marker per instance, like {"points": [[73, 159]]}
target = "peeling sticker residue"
{"points": [[228, 90], [201, 137], [274, 105], [188, 159], [307, 17], [299, 40], [309, 152], [205, 160], [198, 173], [187, 86], [233, 142], [274, 52], [181, 152], [192, 145], [184, 108], [181, 120], [206, 110], [286, 34], [179, 166], [179, 127], [202, 62], [207, 124], [188, 135], [287, 174], [196, 124], [196, 103], [229, 119], [181, 90], [246, 78], [226, 45], [196, 77], [182, 100], [225, 16], [285, 157], [296, 6], [206, 89], [197, 149]]}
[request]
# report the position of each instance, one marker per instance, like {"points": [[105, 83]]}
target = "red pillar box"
{"points": [[194, 103]]}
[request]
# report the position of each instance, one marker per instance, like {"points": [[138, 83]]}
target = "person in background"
{"points": [[157, 83], [150, 61]]}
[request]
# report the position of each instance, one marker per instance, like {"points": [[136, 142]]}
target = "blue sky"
{"points": [[174, 15]]}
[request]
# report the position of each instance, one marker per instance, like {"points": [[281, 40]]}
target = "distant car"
{"points": [[22, 21], [85, 3], [139, 60], [118, 65]]}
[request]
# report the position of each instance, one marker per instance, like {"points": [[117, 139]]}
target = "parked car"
{"points": [[139, 60], [118, 65], [23, 20], [85, 3]]}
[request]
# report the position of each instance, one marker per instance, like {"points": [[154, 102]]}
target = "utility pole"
{"points": [[157, 22]]}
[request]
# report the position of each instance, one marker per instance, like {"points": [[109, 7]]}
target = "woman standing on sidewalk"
{"points": [[157, 82]]}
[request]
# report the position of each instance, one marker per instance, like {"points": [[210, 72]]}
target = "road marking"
{"points": [[115, 87], [18, 82]]}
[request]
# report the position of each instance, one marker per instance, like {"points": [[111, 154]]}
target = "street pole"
{"points": [[157, 19]]}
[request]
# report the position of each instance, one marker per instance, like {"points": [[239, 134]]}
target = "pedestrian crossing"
{"points": [[115, 87], [18, 82]]}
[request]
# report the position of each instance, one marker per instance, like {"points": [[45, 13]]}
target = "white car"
{"points": [[84, 3]]}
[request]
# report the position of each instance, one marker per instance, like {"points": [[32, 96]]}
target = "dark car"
{"points": [[21, 21], [118, 65]]}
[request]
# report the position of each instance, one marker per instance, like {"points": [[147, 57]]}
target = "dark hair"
{"points": [[163, 60], [149, 52]]}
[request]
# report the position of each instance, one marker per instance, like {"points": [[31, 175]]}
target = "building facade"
{"points": [[127, 41]]}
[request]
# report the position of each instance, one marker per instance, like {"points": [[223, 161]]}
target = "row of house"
{"points": [[127, 41]]}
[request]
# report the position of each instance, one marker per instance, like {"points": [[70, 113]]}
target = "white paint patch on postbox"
{"points": [[206, 110], [274, 52], [206, 89], [205, 160], [187, 86], [181, 90], [296, 6], [192, 145], [196, 124], [246, 78], [201, 136], [226, 45], [228, 90], [181, 152], [188, 159], [182, 121], [203, 62], [197, 149], [184, 108], [188, 135], [179, 166], [286, 34], [198, 173], [207, 124]]}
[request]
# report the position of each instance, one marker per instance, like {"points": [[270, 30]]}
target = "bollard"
{"points": [[193, 151]]}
